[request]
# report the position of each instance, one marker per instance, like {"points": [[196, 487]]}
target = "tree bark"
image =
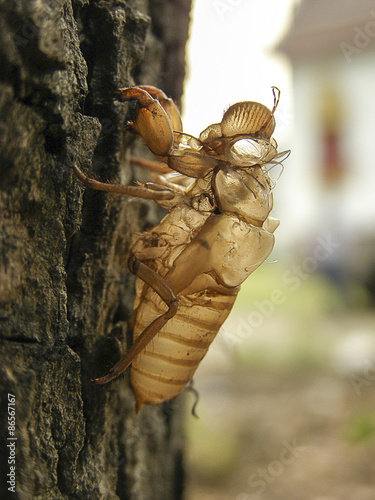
{"points": [[66, 295]]}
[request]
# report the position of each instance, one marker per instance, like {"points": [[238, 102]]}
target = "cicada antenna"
{"points": [[276, 98]]}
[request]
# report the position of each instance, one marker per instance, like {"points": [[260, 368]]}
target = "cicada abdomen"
{"points": [[168, 362]]}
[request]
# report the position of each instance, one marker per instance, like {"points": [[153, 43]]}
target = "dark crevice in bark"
{"points": [[21, 340]]}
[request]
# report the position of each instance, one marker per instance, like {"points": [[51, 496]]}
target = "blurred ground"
{"points": [[287, 396]]}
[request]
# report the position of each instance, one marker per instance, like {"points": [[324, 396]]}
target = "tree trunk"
{"points": [[66, 295]]}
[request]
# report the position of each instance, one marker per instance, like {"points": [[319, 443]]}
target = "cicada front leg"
{"points": [[165, 292], [151, 120], [168, 105]]}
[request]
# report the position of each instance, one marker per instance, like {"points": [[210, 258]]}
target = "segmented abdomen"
{"points": [[166, 365]]}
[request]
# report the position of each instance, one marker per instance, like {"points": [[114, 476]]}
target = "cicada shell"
{"points": [[218, 230]]}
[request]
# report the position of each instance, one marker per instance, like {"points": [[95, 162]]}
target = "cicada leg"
{"points": [[155, 166], [149, 120], [148, 191], [165, 177], [158, 284], [168, 105]]}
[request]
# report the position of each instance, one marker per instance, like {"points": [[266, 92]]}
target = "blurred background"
{"points": [[287, 390]]}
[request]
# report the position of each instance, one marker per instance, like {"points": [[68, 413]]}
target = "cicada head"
{"points": [[244, 134], [250, 118]]}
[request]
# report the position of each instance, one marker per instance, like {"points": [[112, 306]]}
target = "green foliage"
{"points": [[361, 428]]}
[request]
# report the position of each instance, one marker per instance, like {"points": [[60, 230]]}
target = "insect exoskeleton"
{"points": [[190, 267], [243, 137], [248, 118]]}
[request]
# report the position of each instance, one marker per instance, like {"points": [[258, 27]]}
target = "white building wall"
{"points": [[304, 203]]}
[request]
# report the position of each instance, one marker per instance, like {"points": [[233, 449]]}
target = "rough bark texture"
{"points": [[65, 293]]}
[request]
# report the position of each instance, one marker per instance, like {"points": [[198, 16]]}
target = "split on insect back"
{"points": [[218, 230]]}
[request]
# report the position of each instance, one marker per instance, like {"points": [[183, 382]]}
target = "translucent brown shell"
{"points": [[248, 118], [190, 267]]}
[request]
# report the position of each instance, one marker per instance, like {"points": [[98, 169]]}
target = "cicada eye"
{"points": [[246, 152]]}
